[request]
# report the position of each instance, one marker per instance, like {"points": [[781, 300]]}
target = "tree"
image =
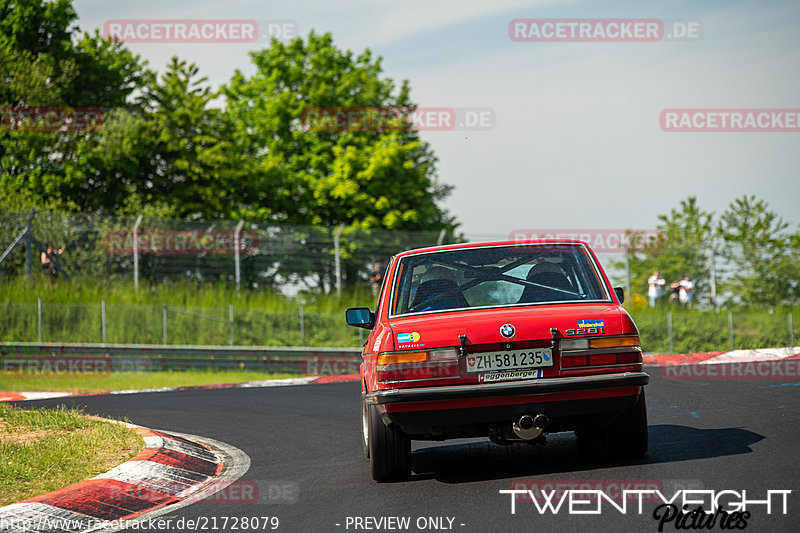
{"points": [[762, 255], [45, 62], [163, 145], [193, 166], [361, 178], [374, 178], [684, 248]]}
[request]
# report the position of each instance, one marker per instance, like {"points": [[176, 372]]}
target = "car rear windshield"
{"points": [[496, 276]]}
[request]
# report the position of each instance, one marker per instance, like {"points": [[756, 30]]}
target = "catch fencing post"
{"points": [[302, 327], [230, 319], [338, 259], [164, 320], [236, 257], [669, 331], [714, 276], [791, 331], [29, 253], [103, 318], [136, 254], [730, 327], [39, 302], [627, 273]]}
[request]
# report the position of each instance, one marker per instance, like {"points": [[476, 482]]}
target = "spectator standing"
{"points": [[655, 287], [686, 291], [674, 289], [376, 278], [48, 266]]}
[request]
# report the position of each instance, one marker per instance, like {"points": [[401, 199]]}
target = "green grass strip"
{"points": [[47, 449]]}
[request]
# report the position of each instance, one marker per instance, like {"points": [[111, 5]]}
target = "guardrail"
{"points": [[152, 357]]}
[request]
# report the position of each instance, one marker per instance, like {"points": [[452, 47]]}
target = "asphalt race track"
{"points": [[307, 463]]}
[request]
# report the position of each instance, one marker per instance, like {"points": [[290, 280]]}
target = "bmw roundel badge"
{"points": [[507, 331]]}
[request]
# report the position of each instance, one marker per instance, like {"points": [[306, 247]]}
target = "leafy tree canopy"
{"points": [[302, 175]]}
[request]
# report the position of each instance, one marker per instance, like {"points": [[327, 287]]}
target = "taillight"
{"points": [[600, 351], [586, 343], [418, 365]]}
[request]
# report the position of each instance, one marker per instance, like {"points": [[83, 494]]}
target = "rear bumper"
{"points": [[509, 388], [475, 410]]}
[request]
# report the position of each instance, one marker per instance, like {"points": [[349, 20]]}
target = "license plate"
{"points": [[509, 376], [510, 360]]}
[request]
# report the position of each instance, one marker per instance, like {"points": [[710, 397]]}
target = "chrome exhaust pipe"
{"points": [[530, 427]]}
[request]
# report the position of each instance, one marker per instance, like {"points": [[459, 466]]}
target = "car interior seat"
{"points": [[441, 293], [550, 279]]}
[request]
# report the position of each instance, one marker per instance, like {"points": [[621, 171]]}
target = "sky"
{"points": [[576, 141]]}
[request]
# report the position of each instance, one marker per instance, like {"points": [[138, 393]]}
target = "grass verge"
{"points": [[46, 449], [130, 380]]}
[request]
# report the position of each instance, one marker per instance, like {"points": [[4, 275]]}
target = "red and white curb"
{"points": [[164, 476], [21, 396], [733, 356]]}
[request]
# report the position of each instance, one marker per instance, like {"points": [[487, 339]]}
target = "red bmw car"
{"points": [[505, 340]]}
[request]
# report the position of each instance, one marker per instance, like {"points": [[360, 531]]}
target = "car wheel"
{"points": [[625, 437], [364, 427], [389, 449], [631, 429]]}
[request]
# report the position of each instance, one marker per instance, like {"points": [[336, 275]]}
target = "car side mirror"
{"points": [[360, 317], [620, 294]]}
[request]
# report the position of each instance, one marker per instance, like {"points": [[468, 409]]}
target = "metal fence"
{"points": [[44, 321], [682, 331], [149, 250], [664, 330], [247, 255], [105, 358]]}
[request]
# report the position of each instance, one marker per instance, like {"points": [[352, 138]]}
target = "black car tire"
{"points": [[630, 430], [625, 437], [364, 427], [389, 449]]}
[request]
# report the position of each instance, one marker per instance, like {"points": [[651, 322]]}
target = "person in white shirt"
{"points": [[655, 287], [686, 291]]}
